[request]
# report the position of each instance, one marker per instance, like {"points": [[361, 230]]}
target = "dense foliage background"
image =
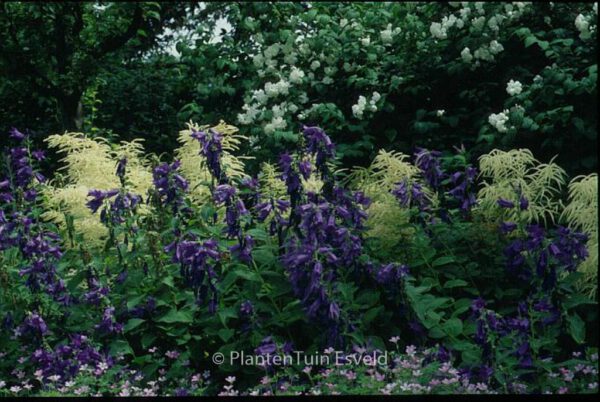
{"points": [[70, 66], [414, 177]]}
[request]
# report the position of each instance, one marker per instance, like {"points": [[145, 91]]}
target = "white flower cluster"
{"points": [[314, 108], [274, 89], [499, 121], [278, 123], [466, 55], [514, 87], [296, 75], [250, 113], [261, 97], [359, 108], [583, 25], [473, 15], [387, 35], [485, 52], [439, 30]]}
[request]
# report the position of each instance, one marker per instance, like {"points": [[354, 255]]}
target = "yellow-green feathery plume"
{"points": [[90, 164], [138, 170], [582, 214], [193, 164], [271, 186], [385, 215], [504, 172], [313, 183]]}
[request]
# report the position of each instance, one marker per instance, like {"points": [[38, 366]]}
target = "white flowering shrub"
{"points": [[504, 74]]}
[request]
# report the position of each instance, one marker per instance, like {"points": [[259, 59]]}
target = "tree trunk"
{"points": [[71, 111]]}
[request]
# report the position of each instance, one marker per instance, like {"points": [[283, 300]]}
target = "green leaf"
{"points": [[390, 134], [226, 313], [133, 323], [183, 316], [436, 332], [147, 340], [543, 44], [576, 328], [455, 283], [576, 299], [460, 306], [168, 280], [247, 274], [530, 40], [226, 333], [263, 256], [367, 298], [453, 327], [471, 356], [447, 259], [120, 347], [371, 314]]}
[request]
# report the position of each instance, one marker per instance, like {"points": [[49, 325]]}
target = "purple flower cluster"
{"points": [[246, 308], [234, 208], [279, 207], [243, 250], [40, 250], [121, 169], [96, 292], [317, 143], [66, 360], [464, 188], [290, 176], [325, 243], [537, 312], [225, 193], [459, 186], [547, 256], [98, 197], [123, 205], [170, 185], [249, 191], [323, 233], [429, 164], [268, 347], [144, 310], [518, 326], [568, 248], [33, 326], [20, 172], [199, 262], [39, 247], [211, 148], [109, 324], [408, 194], [391, 274]]}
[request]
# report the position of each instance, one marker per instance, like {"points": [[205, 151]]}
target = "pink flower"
{"points": [[172, 354]]}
